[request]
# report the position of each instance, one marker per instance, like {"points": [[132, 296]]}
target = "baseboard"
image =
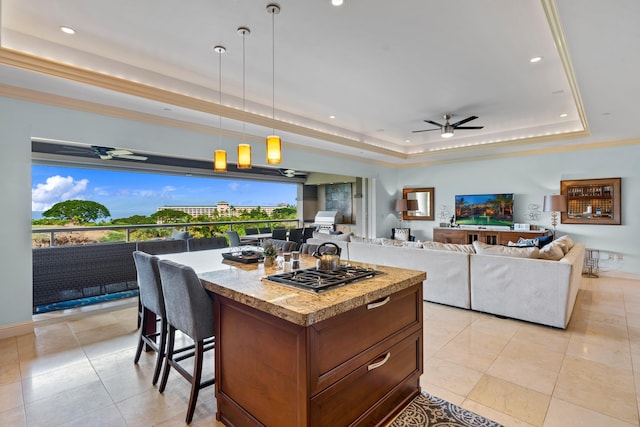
{"points": [[16, 329], [620, 275]]}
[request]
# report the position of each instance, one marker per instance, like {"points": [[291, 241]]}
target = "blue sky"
{"points": [[131, 193]]}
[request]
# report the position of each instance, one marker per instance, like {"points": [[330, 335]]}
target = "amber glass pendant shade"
{"points": [[220, 161], [274, 150], [244, 156]]}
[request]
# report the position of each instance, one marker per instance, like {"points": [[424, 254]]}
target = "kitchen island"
{"points": [[288, 357]]}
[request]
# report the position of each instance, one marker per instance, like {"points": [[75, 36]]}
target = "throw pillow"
{"points": [[485, 249], [391, 242], [468, 249], [565, 243], [401, 234], [332, 237], [360, 239], [544, 240], [551, 252], [412, 244]]}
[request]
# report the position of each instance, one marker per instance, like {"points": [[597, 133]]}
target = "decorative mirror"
{"points": [[424, 197]]}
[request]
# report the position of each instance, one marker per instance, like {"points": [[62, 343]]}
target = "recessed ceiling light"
{"points": [[535, 59], [332, 116], [67, 30], [563, 115], [337, 2], [407, 140]]}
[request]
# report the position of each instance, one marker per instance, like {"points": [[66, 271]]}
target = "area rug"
{"points": [[428, 410]]}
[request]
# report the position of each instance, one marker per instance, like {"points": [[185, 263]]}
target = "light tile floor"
{"points": [[77, 368]]}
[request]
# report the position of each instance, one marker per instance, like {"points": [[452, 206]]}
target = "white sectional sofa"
{"points": [[484, 279]]}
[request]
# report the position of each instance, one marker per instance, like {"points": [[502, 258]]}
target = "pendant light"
{"points": [[274, 144], [219, 155], [244, 149]]}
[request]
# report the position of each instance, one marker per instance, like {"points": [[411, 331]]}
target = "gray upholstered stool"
{"points": [[189, 309], [151, 300]]}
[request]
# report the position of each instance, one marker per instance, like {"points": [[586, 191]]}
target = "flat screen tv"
{"points": [[484, 209]]}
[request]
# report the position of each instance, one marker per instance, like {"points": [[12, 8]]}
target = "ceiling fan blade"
{"points": [[130, 157], [423, 130], [434, 123], [119, 152], [461, 122], [469, 127]]}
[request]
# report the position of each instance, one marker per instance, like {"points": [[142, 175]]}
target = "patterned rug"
{"points": [[428, 410]]}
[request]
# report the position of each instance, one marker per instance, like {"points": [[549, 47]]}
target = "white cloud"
{"points": [[56, 189]]}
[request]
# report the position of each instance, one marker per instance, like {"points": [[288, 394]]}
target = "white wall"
{"points": [[15, 217], [530, 179]]}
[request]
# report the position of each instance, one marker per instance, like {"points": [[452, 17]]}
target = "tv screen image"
{"points": [[484, 209]]}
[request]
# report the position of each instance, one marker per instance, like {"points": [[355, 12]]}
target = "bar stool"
{"points": [[151, 300], [189, 309]]}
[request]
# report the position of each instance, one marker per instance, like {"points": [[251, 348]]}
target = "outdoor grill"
{"points": [[325, 221], [318, 281]]}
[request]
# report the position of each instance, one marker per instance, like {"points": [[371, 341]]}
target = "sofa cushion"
{"points": [[551, 252], [486, 249], [468, 249]]}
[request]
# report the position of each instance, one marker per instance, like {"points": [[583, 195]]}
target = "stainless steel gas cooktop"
{"points": [[323, 280]]}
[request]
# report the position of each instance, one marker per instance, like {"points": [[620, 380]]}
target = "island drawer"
{"points": [[338, 340], [383, 383]]}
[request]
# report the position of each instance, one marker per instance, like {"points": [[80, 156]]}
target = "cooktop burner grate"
{"points": [[323, 280]]}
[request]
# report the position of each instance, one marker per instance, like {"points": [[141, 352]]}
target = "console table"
{"points": [[492, 237]]}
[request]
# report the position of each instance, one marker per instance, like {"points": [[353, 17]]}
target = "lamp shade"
{"points": [[274, 150], [401, 205], [220, 161], [412, 205], [244, 156], [554, 203]]}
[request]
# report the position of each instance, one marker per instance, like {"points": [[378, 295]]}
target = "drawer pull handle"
{"points": [[380, 363], [378, 304]]}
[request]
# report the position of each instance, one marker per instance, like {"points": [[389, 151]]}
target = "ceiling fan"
{"points": [[290, 173], [108, 153], [446, 130]]}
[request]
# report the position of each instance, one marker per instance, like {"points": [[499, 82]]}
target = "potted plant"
{"points": [[269, 251]]}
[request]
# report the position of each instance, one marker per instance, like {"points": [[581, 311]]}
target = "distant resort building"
{"points": [[222, 209]]}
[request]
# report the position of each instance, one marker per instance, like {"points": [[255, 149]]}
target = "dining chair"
{"points": [[234, 239], [265, 230], [251, 230], [295, 235], [279, 234], [151, 300], [190, 310], [307, 233]]}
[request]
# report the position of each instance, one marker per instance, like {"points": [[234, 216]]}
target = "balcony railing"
{"points": [[192, 227], [85, 269]]}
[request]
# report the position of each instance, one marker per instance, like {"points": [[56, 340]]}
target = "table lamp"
{"points": [[554, 203]]}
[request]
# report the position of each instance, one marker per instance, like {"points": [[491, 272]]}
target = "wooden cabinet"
{"points": [[356, 368], [591, 201], [491, 237], [450, 235]]}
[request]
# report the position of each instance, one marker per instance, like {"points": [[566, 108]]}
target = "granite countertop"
{"points": [[247, 284]]}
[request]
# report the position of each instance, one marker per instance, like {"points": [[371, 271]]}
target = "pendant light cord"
{"points": [[273, 69]]}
